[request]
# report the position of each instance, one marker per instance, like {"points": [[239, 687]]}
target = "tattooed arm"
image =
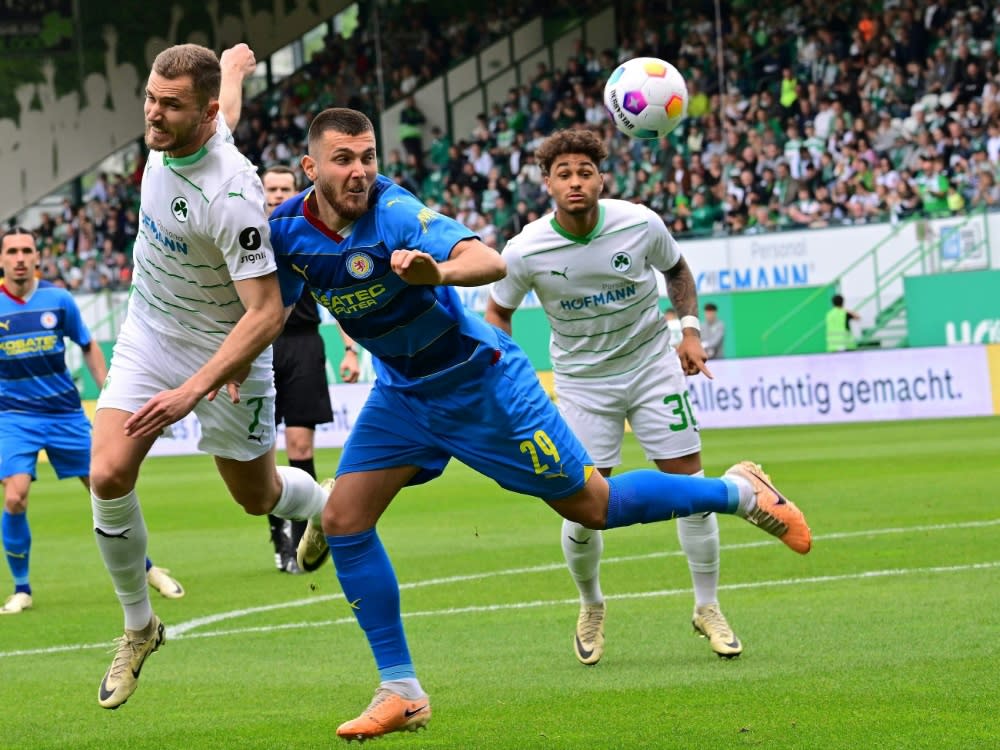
{"points": [[683, 296], [681, 289]]}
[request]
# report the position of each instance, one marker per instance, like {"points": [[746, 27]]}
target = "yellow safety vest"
{"points": [[838, 335]]}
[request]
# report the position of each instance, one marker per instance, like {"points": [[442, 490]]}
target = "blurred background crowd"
{"points": [[811, 114]]}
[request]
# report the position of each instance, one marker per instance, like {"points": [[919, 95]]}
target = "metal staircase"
{"points": [[889, 328], [886, 304]]}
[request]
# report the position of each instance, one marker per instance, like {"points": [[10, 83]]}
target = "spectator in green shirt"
{"points": [[411, 128], [702, 214], [438, 153], [934, 187]]}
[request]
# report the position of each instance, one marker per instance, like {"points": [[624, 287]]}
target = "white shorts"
{"points": [[145, 362], [653, 399]]}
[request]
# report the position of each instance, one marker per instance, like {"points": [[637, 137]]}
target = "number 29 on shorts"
{"points": [[542, 444]]}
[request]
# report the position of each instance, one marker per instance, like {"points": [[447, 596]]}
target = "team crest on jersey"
{"points": [[360, 265], [621, 262], [179, 208], [49, 320]]}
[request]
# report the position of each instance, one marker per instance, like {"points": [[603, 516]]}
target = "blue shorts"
{"points": [[502, 424], [64, 437]]}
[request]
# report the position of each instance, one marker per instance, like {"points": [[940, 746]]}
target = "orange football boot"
{"points": [[388, 712], [774, 513]]}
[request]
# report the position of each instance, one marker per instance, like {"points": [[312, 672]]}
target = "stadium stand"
{"points": [[827, 115]]}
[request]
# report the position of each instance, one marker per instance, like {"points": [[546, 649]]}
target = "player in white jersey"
{"points": [[593, 264], [204, 308]]}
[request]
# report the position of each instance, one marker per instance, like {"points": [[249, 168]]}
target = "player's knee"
{"points": [[338, 523], [588, 507], [255, 503], [16, 504], [589, 514], [331, 521], [107, 481], [595, 521]]}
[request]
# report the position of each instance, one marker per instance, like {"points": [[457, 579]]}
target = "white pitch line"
{"points": [[185, 627], [181, 630], [634, 595], [863, 575]]}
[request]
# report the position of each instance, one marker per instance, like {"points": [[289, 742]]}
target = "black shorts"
{"points": [[302, 398]]}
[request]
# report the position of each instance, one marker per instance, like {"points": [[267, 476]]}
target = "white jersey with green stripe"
{"points": [[202, 225], [599, 292]]}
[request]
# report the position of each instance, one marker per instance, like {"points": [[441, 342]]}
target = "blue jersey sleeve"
{"points": [[289, 281], [291, 285], [407, 224], [73, 324]]}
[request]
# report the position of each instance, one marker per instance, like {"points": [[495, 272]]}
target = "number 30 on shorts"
{"points": [[682, 410], [541, 443]]}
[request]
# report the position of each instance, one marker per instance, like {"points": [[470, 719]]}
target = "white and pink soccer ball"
{"points": [[646, 97]]}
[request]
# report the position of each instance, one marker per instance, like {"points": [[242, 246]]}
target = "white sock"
{"points": [[748, 498], [582, 548], [699, 538], [121, 539], [408, 687], [301, 496]]}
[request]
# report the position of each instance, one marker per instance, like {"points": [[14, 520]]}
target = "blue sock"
{"points": [[371, 588], [17, 545], [645, 496]]}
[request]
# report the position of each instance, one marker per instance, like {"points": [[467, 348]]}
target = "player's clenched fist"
{"points": [[415, 267]]}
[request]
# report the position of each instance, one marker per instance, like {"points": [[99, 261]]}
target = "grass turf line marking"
{"points": [[185, 627], [476, 608], [863, 575]]}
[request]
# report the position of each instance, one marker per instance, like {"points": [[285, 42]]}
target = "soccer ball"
{"points": [[646, 97]]}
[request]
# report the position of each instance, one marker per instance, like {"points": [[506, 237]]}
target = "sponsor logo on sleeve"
{"points": [[250, 238], [425, 216]]}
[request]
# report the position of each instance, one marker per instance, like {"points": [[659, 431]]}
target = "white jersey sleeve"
{"points": [[510, 291], [663, 252], [238, 222], [222, 129]]}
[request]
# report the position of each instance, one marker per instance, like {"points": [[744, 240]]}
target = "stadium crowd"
{"points": [[829, 114]]}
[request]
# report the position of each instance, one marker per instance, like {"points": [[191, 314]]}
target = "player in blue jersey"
{"points": [[40, 408], [448, 385], [302, 400]]}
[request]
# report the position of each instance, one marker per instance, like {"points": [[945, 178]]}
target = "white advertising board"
{"points": [[858, 386]]}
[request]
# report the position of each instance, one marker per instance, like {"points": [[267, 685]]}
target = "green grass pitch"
{"points": [[884, 636]]}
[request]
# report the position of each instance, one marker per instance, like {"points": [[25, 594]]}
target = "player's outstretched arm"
{"points": [[93, 357], [253, 333], [499, 316], [471, 263], [350, 366], [237, 63], [683, 294]]}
